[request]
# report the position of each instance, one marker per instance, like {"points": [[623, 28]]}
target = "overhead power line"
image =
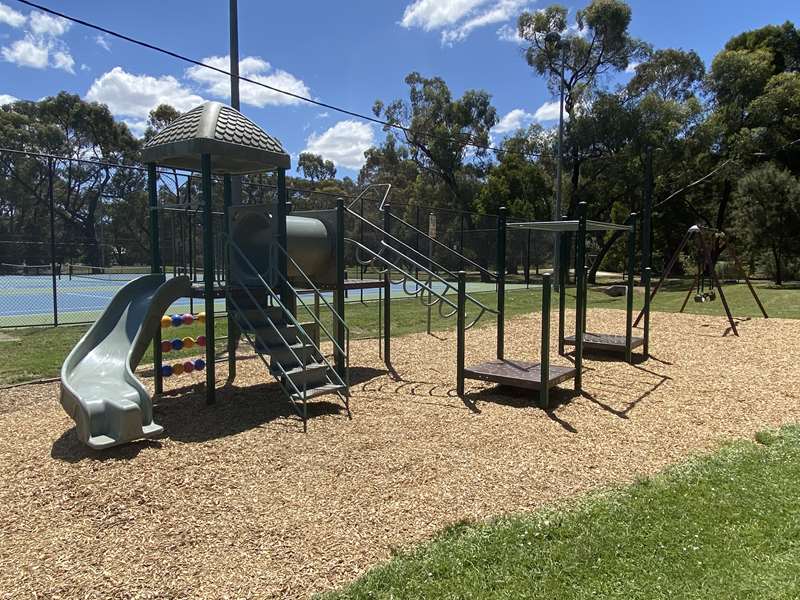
{"points": [[277, 90]]}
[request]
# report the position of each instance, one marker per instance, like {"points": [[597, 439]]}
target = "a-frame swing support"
{"points": [[709, 265]]}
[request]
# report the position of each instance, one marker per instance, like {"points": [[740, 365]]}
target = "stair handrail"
{"points": [[361, 194], [274, 296], [481, 269], [318, 292], [285, 341], [389, 236]]}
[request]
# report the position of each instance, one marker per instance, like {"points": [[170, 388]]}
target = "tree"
{"points": [[767, 213], [439, 130], [599, 44], [315, 168], [159, 118]]}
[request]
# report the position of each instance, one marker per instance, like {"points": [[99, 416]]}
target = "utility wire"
{"points": [[319, 103]]}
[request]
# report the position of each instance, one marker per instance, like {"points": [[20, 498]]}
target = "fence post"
{"points": [[562, 274], [544, 362], [51, 201], [501, 281], [528, 261], [461, 332]]}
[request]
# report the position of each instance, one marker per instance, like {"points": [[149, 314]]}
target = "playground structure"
{"points": [[266, 260], [706, 239], [542, 376], [262, 262]]}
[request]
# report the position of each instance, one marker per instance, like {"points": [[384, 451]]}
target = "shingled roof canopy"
{"points": [[237, 145]]}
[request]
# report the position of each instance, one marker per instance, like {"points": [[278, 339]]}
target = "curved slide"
{"points": [[99, 390]]}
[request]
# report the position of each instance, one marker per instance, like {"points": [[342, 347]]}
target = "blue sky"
{"points": [[345, 53]]}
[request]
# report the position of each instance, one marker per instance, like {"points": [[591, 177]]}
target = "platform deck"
{"points": [[604, 342], [517, 373]]}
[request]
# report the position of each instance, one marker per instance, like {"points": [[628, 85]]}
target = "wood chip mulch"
{"points": [[236, 502]]}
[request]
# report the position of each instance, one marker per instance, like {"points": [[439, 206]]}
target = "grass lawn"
{"points": [[726, 526], [39, 352]]}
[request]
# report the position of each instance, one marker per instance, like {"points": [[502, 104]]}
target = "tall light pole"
{"points": [[555, 39], [236, 182]]}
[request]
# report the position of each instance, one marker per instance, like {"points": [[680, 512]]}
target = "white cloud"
{"points": [[516, 119], [7, 99], [137, 126], [136, 95], [63, 60], [11, 17], [509, 33], [631, 68], [548, 112], [458, 18], [323, 115], [103, 41], [27, 52], [344, 143], [44, 24], [253, 67]]}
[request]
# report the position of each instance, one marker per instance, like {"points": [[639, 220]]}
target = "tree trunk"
{"points": [[778, 266]]}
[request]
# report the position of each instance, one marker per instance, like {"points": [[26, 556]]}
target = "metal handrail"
{"points": [[312, 287], [377, 255], [285, 310], [481, 269], [388, 187]]}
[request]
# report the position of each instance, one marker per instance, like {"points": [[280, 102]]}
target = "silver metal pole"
{"points": [[557, 211]]}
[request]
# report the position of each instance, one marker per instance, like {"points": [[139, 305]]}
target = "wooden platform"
{"points": [[517, 373], [604, 342]]}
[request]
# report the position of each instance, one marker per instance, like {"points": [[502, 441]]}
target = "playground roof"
{"points": [[569, 226], [237, 145]]}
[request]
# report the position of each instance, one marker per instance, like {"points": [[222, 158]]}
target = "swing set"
{"points": [[706, 286]]}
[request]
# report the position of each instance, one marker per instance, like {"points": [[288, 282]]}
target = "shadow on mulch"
{"points": [[187, 418], [67, 448], [521, 398]]}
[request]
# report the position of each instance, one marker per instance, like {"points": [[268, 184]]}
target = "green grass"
{"points": [[40, 351], [726, 526]]}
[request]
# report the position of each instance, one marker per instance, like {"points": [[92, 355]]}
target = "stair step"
{"points": [[313, 375], [286, 355], [242, 298], [253, 319], [330, 388]]}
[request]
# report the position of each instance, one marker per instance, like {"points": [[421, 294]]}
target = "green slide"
{"points": [[99, 390]]}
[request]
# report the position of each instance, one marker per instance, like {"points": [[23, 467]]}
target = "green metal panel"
{"points": [[155, 267]]}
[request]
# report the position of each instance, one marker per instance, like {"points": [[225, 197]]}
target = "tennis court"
{"points": [[27, 300]]}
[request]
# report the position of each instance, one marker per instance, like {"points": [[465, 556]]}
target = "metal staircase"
{"points": [[284, 345]]}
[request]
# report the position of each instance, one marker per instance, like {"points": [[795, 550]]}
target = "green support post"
{"points": [[544, 362], [580, 300], [387, 293], [339, 356], [282, 239], [208, 277], [629, 290], [233, 328], [646, 328], [501, 281], [562, 286], [155, 266], [461, 332]]}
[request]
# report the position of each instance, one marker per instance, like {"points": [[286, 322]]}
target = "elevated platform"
{"points": [[517, 373], [604, 342]]}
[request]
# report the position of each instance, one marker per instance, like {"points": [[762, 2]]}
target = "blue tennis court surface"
{"points": [[28, 299]]}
